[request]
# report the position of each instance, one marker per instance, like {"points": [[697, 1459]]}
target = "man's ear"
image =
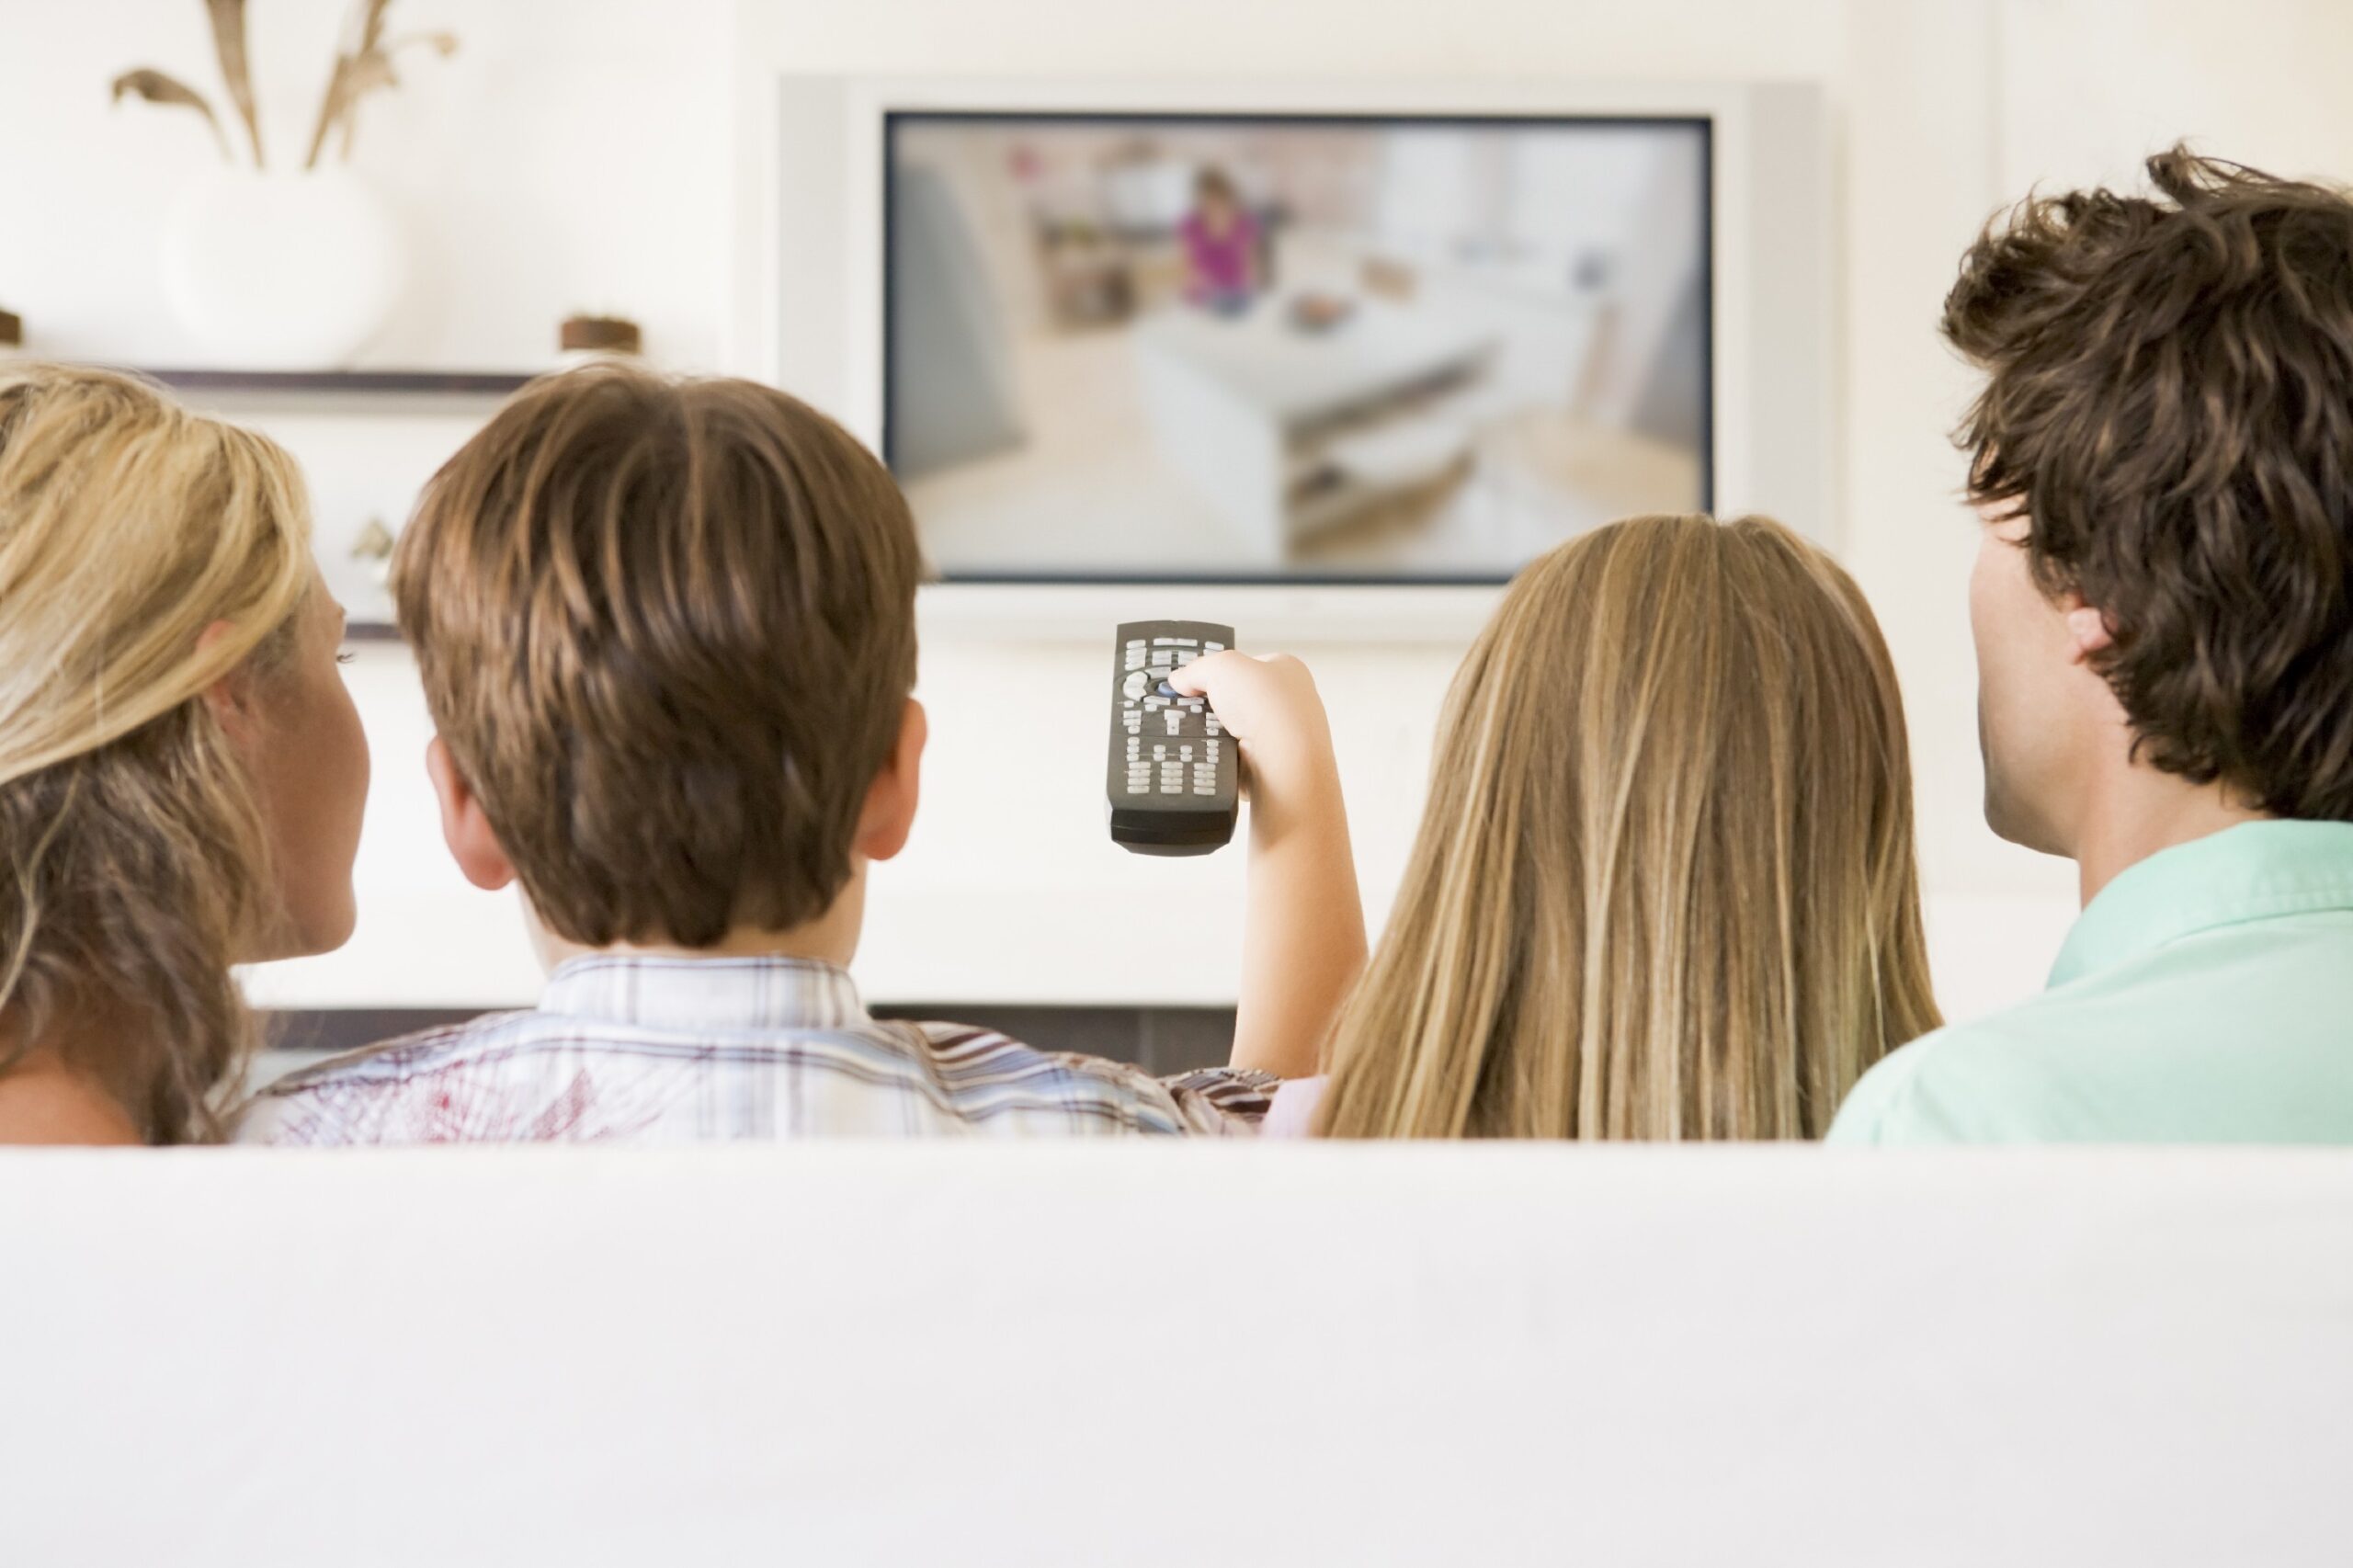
{"points": [[890, 812], [2087, 628], [233, 702], [464, 828]]}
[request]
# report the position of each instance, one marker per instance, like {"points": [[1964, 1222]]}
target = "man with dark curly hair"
{"points": [[2162, 456]]}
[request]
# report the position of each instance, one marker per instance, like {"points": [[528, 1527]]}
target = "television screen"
{"points": [[1294, 349]]}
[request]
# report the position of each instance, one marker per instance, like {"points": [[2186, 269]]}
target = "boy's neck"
{"points": [[831, 938]]}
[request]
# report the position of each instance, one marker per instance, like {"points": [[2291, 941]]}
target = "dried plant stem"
{"points": [[374, 73], [330, 109], [363, 26], [371, 24], [229, 44], [360, 68], [363, 65]]}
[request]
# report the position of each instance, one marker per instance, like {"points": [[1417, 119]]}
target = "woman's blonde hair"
{"points": [[133, 859], [1665, 884]]}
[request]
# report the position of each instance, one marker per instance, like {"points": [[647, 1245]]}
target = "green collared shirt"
{"points": [[2205, 996]]}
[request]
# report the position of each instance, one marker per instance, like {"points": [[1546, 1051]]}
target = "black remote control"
{"points": [[1174, 782]]}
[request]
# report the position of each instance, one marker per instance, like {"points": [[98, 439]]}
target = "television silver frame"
{"points": [[808, 312]]}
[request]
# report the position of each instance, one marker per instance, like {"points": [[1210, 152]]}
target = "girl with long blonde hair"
{"points": [[182, 772], [1665, 884]]}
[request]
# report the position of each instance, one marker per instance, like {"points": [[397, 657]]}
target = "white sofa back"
{"points": [[1060, 1354]]}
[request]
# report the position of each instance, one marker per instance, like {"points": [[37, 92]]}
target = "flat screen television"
{"points": [[1291, 348]]}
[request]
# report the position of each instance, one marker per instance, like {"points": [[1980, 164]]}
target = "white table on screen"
{"points": [[1228, 396]]}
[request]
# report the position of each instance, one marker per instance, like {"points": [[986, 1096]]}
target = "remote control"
{"points": [[1174, 782]]}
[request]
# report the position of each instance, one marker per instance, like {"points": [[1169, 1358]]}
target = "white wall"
{"points": [[563, 160], [1009, 889]]}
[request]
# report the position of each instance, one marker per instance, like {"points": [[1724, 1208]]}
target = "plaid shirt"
{"points": [[685, 1051]]}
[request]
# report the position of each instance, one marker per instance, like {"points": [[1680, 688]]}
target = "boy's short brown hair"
{"points": [[2169, 400], [667, 629]]}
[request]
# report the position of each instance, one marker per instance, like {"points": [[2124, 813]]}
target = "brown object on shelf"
{"points": [[600, 334], [12, 330]]}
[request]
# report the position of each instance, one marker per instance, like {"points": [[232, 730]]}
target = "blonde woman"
{"points": [[1664, 887], [182, 772]]}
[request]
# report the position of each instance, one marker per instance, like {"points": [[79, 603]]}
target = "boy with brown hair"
{"points": [[666, 632]]}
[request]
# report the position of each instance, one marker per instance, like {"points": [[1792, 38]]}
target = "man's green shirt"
{"points": [[2204, 996]]}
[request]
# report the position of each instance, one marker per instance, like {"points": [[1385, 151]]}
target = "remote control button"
{"points": [[1211, 647], [1132, 688], [1135, 643], [1159, 750]]}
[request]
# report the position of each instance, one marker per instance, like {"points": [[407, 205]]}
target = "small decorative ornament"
{"points": [[373, 548], [585, 340], [285, 268]]}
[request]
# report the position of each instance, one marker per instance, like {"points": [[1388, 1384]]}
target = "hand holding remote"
{"points": [[1270, 707]]}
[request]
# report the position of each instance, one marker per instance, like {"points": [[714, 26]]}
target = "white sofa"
{"points": [[863, 1353]]}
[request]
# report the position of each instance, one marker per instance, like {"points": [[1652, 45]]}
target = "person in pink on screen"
{"points": [[1220, 244]]}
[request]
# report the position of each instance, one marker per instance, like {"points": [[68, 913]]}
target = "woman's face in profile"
{"points": [[310, 765]]}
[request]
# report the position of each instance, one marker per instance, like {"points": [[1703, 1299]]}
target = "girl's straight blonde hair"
{"points": [[1665, 884], [133, 859]]}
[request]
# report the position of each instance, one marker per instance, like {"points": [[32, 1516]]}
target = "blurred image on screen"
{"points": [[1307, 348]]}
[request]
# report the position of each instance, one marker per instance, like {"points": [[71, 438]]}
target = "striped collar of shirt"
{"points": [[700, 996], [671, 1050]]}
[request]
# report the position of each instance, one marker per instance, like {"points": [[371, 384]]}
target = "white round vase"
{"points": [[282, 270]]}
